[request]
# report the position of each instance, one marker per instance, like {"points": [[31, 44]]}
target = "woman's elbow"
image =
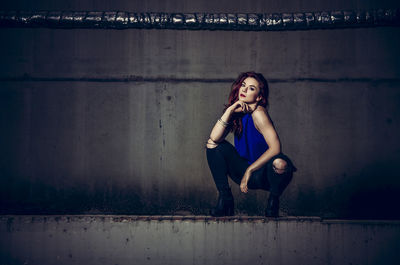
{"points": [[275, 149]]}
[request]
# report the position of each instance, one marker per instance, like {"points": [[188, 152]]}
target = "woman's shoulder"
{"points": [[260, 115], [259, 111]]}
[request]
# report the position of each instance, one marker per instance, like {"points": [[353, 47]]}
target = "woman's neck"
{"points": [[253, 106]]}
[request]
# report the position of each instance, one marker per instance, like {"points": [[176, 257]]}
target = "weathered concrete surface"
{"points": [[139, 147], [122, 240], [83, 53], [72, 141]]}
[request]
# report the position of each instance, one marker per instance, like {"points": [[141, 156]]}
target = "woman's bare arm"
{"points": [[264, 125], [221, 128]]}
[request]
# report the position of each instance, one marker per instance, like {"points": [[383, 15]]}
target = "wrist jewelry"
{"points": [[223, 123]]}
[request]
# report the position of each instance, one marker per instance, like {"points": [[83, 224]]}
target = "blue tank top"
{"points": [[251, 143]]}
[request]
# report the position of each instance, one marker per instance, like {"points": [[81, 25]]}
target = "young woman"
{"points": [[256, 161]]}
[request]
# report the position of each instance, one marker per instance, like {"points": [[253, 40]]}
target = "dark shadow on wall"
{"points": [[373, 194], [376, 193], [36, 197], [362, 197]]}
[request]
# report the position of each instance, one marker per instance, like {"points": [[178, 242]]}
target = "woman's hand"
{"points": [[240, 106], [243, 183]]}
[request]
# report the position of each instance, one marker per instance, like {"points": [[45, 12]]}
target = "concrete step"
{"points": [[127, 239]]}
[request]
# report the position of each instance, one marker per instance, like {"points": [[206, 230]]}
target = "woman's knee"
{"points": [[211, 144], [280, 166]]}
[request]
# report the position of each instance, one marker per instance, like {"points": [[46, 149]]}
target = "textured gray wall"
{"points": [[77, 138]]}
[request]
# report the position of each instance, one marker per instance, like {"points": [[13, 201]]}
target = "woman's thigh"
{"points": [[236, 164], [259, 180]]}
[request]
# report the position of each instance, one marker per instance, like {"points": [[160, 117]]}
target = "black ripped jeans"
{"points": [[224, 160]]}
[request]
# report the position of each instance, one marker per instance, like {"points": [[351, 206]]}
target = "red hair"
{"points": [[234, 96]]}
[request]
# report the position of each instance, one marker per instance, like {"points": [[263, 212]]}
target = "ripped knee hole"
{"points": [[280, 166]]}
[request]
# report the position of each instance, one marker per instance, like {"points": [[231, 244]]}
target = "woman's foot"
{"points": [[224, 207], [272, 209]]}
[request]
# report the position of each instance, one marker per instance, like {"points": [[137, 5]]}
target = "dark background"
{"points": [[75, 137]]}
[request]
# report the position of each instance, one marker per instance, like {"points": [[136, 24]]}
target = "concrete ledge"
{"points": [[236, 218], [126, 239], [128, 218]]}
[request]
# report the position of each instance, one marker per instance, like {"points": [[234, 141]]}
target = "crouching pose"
{"points": [[256, 160]]}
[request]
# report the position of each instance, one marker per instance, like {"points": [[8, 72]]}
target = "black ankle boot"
{"points": [[272, 209], [224, 207]]}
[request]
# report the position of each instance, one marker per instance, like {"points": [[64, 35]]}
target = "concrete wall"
{"points": [[77, 137], [127, 240]]}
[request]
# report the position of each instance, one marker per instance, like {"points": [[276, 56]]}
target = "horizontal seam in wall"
{"points": [[188, 80]]}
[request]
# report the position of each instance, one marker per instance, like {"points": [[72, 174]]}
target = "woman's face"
{"points": [[249, 91]]}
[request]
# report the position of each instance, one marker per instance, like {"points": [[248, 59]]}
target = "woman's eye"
{"points": [[243, 84], [252, 88]]}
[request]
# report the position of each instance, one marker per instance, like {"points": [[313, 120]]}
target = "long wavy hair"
{"points": [[237, 125]]}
